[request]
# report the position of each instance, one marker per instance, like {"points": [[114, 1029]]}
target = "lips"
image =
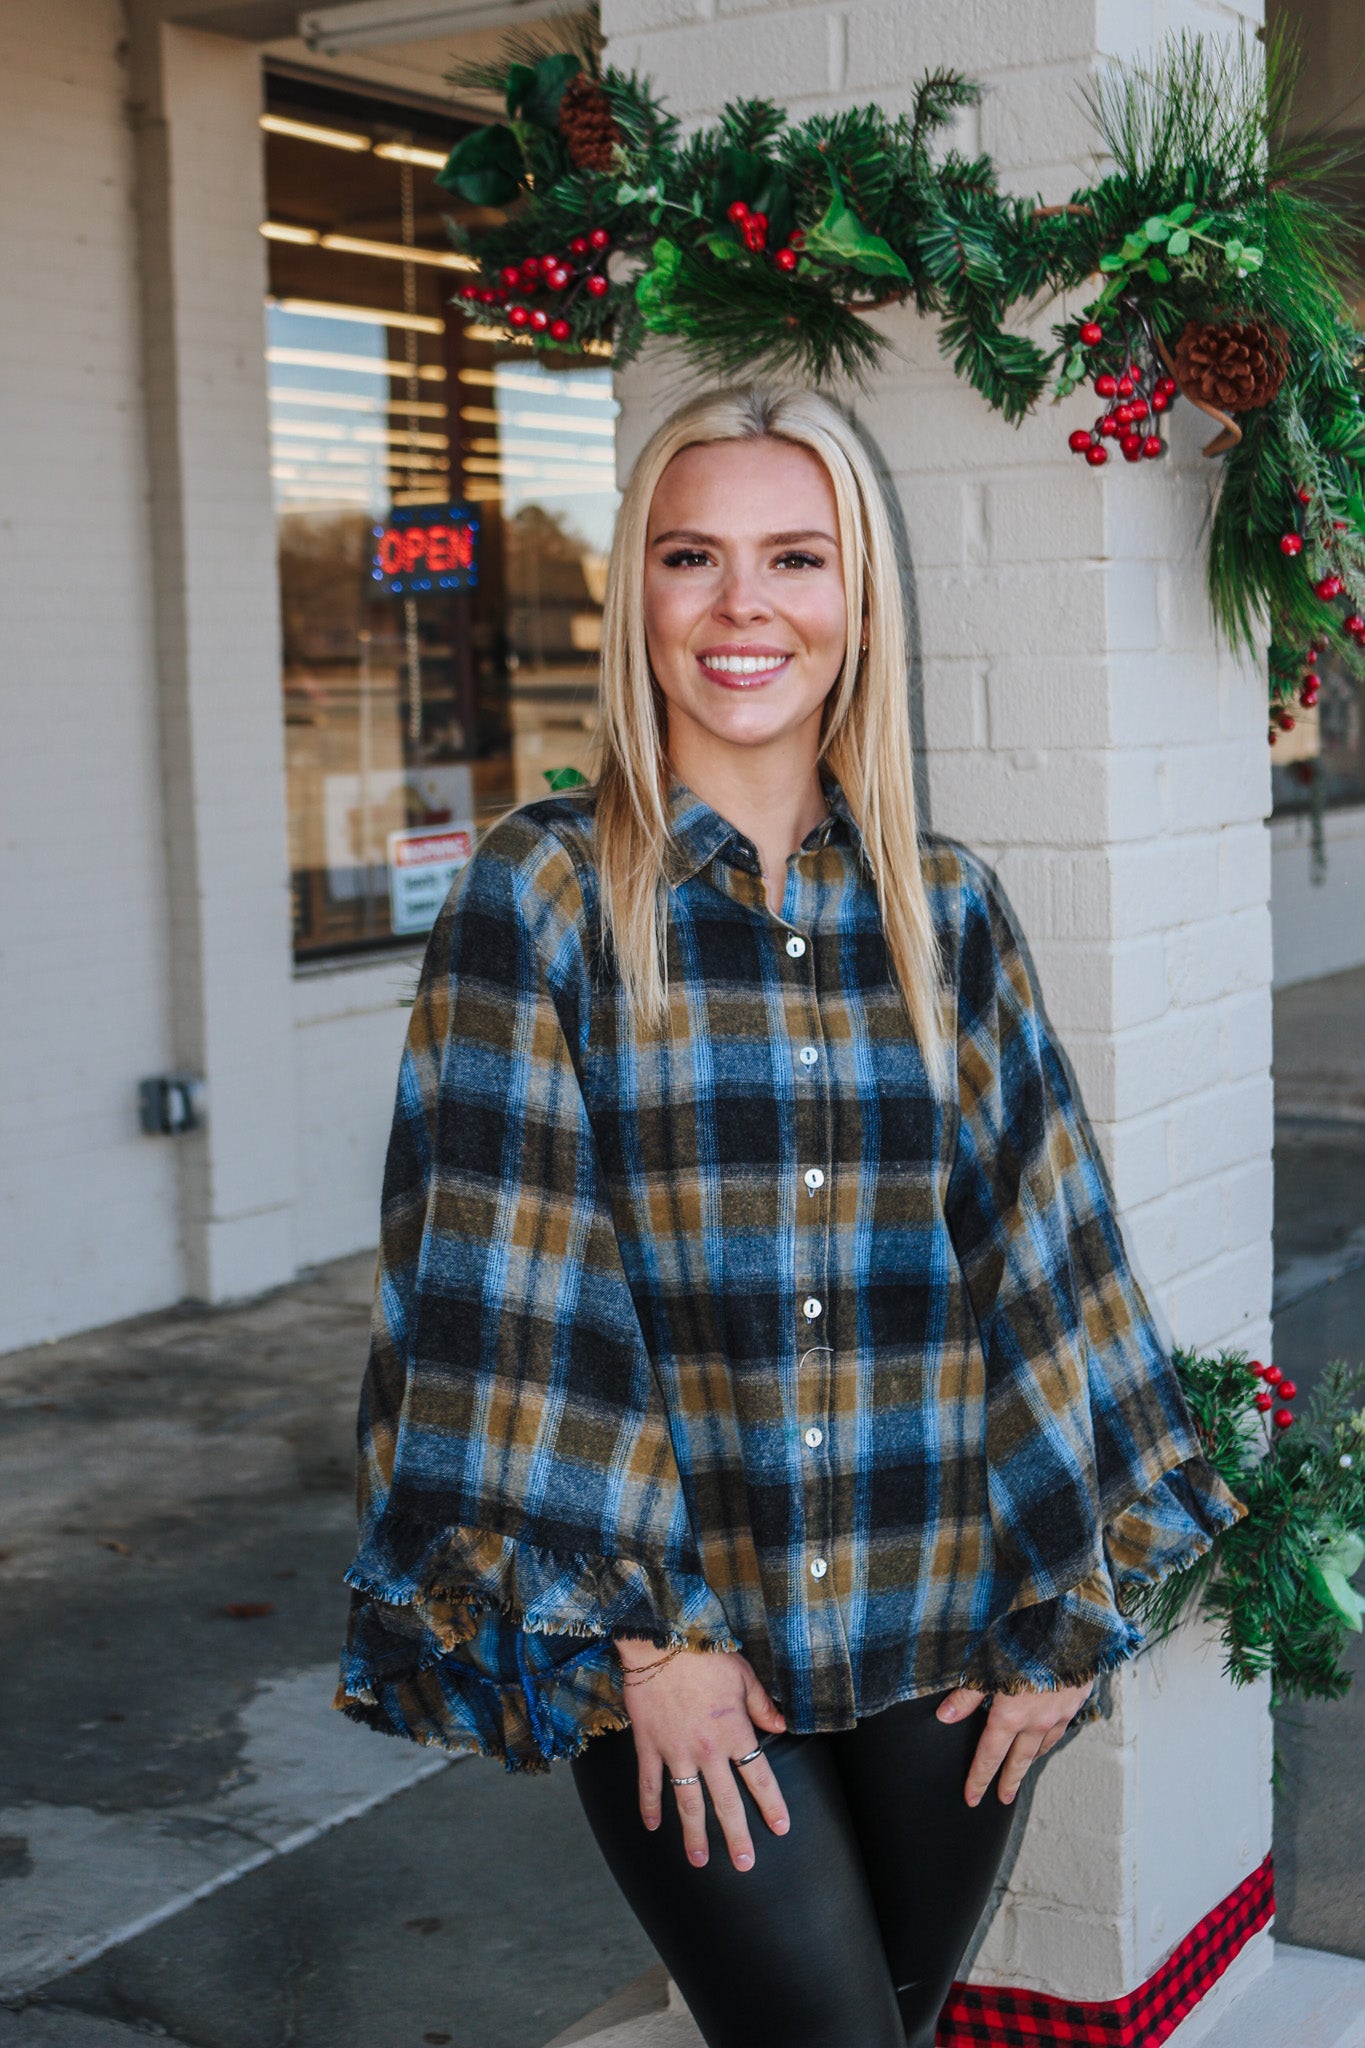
{"points": [[743, 667]]}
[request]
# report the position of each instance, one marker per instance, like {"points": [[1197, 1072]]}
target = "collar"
{"points": [[697, 833]]}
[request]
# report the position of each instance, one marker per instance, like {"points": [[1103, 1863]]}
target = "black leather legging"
{"points": [[847, 1932]]}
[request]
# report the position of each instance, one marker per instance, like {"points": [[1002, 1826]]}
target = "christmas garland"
{"points": [[1278, 1581], [761, 245]]}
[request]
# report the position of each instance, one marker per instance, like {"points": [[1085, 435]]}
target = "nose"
{"points": [[741, 595]]}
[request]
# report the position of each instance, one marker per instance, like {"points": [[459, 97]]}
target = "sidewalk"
{"points": [[193, 1845]]}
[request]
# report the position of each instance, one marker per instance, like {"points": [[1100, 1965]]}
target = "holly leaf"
{"points": [[564, 778], [1156, 229], [1178, 215], [840, 237], [485, 168], [1157, 270], [1178, 243], [723, 246]]}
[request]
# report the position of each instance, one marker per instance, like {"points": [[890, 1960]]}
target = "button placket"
{"points": [[814, 1383]]}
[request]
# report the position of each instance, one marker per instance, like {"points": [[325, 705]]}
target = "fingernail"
{"points": [[743, 1862], [973, 1799], [780, 1826], [947, 1713], [698, 1856]]}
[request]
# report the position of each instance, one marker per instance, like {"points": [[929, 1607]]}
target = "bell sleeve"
{"points": [[518, 1497], [1097, 1485]]}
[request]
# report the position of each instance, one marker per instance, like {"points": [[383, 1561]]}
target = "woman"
{"points": [[758, 1385]]}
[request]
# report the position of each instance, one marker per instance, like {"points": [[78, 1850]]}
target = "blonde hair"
{"points": [[866, 731]]}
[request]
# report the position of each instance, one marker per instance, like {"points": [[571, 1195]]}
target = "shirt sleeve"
{"points": [[1097, 1485], [518, 1497]]}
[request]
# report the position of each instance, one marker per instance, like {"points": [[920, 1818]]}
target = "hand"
{"points": [[698, 1712], [1020, 1727]]}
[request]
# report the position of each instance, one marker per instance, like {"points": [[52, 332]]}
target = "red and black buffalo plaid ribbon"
{"points": [[981, 2014]]}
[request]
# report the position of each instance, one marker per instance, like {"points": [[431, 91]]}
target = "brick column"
{"points": [[1086, 735], [196, 99]]}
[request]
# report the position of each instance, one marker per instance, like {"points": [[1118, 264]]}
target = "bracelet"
{"points": [[640, 1674]]}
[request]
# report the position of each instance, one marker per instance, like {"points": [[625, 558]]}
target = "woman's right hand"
{"points": [[697, 1713]]}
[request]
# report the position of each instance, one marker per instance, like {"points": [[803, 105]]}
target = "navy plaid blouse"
{"points": [[731, 1332]]}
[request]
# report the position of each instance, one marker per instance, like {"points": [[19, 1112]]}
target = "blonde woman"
{"points": [[761, 1412]]}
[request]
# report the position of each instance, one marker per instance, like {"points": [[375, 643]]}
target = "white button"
{"points": [[818, 1567], [810, 1308], [796, 946], [814, 1436], [808, 1055], [814, 1178]]}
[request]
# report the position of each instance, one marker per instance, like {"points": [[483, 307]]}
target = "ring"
{"points": [[749, 1758], [686, 1781]]}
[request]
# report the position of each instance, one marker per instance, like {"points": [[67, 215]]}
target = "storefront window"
{"points": [[444, 505]]}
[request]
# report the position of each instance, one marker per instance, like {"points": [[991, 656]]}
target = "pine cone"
{"points": [[1236, 365], [585, 121]]}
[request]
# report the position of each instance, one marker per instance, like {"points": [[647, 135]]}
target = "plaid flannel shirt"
{"points": [[732, 1333]]}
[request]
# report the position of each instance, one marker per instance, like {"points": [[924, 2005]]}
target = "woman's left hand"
{"points": [[1020, 1727]]}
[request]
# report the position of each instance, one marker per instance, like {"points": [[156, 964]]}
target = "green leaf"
{"points": [[1179, 214], [1134, 246], [723, 246], [840, 237], [1346, 1555], [1178, 243], [1113, 262], [485, 168], [1156, 229], [1232, 250], [1355, 507], [564, 778], [1337, 1595], [537, 92], [654, 287], [1249, 259], [1157, 271]]}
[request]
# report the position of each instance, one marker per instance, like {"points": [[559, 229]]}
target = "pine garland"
{"points": [[761, 244], [1278, 1582]]}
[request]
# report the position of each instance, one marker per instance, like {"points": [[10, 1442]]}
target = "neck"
{"points": [[772, 795]]}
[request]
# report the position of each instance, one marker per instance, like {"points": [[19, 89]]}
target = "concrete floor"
{"points": [[193, 1845]]}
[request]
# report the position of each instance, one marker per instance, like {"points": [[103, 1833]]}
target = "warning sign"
{"points": [[423, 862]]}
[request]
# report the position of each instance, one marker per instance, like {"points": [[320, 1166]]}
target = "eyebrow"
{"points": [[769, 539]]}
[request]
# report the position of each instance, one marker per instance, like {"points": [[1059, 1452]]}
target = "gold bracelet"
{"points": [[640, 1674]]}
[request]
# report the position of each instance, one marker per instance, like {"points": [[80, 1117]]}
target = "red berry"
{"points": [[540, 319], [488, 297], [1291, 544], [1096, 455], [1304, 495], [1131, 444], [1106, 385], [1272, 1375], [1354, 624], [1256, 1368], [785, 259], [518, 316], [1287, 1390], [1125, 386], [469, 291], [1110, 424], [530, 266], [1283, 1417], [1272, 736], [1286, 722], [1341, 524], [557, 279], [579, 246], [598, 285], [1160, 399], [1153, 446], [1139, 408], [1311, 658], [1265, 1401], [599, 239], [737, 211], [560, 330], [1328, 588], [797, 239], [1079, 441], [1124, 415], [1092, 334], [510, 276]]}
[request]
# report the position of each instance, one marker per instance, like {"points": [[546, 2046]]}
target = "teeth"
{"points": [[744, 664]]}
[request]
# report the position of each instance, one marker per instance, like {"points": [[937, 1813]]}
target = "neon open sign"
{"points": [[426, 547]]}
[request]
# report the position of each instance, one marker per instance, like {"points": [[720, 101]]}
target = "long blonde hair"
{"points": [[866, 731]]}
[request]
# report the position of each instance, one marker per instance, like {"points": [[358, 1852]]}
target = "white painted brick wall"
{"points": [[1088, 737], [87, 1204]]}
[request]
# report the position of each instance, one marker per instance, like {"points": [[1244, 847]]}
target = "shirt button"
{"points": [[818, 1567], [814, 1436], [814, 1178], [796, 946], [810, 1308], [808, 1055]]}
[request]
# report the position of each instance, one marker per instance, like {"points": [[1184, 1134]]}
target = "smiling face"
{"points": [[745, 618]]}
